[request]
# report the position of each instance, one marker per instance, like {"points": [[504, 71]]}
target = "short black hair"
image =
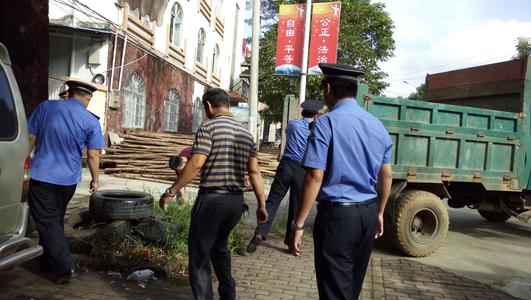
{"points": [[341, 88], [217, 97], [308, 114]]}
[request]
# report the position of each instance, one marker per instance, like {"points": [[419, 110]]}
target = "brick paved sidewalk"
{"points": [[270, 273]]}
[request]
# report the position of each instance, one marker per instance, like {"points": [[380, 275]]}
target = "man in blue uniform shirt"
{"points": [[289, 173], [348, 161], [59, 130]]}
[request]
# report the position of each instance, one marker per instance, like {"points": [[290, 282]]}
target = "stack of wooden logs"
{"points": [[144, 155]]}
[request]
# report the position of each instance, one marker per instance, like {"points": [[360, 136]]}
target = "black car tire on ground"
{"points": [[121, 205], [494, 216], [157, 231]]}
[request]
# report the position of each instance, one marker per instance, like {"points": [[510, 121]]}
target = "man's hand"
{"points": [[261, 215], [296, 241], [164, 201], [380, 229], [94, 186]]}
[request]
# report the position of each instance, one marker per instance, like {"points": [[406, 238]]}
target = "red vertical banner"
{"points": [[324, 35], [290, 39]]}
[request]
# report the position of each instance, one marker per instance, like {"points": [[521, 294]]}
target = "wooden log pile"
{"points": [[144, 155]]}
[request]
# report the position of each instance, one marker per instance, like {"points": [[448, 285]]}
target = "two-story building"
{"points": [[150, 77]]}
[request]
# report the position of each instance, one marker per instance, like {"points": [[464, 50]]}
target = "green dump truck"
{"points": [[469, 142]]}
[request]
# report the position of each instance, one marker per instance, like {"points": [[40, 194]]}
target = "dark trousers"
{"points": [[48, 206], [289, 176], [213, 218], [343, 240]]}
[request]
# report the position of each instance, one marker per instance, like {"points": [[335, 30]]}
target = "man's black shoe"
{"points": [[63, 278], [255, 241]]}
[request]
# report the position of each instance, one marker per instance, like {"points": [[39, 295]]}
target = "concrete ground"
{"points": [[497, 254], [477, 259]]}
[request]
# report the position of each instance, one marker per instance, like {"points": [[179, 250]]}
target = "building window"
{"points": [[176, 24], [197, 114], [135, 102], [201, 41], [215, 59], [171, 111]]}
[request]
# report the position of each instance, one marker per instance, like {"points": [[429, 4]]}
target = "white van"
{"points": [[15, 248]]}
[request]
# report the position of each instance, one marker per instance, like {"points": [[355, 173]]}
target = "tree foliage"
{"points": [[419, 93], [365, 39], [523, 47]]}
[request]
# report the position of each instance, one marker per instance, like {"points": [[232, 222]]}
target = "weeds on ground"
{"points": [[170, 252]]}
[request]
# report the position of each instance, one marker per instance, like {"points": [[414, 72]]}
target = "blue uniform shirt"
{"points": [[349, 145], [63, 129], [297, 133]]}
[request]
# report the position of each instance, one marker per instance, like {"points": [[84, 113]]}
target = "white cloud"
{"points": [[442, 36]]}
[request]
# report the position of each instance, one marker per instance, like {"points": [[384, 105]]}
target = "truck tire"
{"points": [[420, 223], [121, 205], [494, 216]]}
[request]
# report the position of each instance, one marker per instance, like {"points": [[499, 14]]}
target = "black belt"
{"points": [[219, 191], [291, 159], [328, 204]]}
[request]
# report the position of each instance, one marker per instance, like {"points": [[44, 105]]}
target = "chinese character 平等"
{"points": [[289, 48], [288, 58]]}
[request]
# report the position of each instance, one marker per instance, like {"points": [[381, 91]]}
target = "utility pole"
{"points": [[305, 47], [255, 52]]}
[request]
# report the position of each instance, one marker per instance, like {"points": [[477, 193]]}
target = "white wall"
{"points": [[193, 21]]}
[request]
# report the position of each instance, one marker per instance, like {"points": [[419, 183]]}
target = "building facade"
{"points": [[151, 77]]}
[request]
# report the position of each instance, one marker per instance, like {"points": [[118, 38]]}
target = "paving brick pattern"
{"points": [[269, 273]]}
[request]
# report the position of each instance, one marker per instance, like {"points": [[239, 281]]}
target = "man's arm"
{"points": [[93, 160], [32, 141], [312, 184], [383, 188], [257, 182], [191, 169]]}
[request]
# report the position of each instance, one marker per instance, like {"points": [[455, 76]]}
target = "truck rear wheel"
{"points": [[420, 224], [494, 216]]}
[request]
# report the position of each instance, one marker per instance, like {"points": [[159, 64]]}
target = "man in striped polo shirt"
{"points": [[223, 151]]}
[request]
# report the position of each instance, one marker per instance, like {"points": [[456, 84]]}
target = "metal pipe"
{"points": [[305, 47], [122, 64], [111, 82], [255, 52]]}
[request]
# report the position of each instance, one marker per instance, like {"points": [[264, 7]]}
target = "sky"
{"points": [[434, 36]]}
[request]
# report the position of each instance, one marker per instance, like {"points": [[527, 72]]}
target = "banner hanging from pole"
{"points": [[324, 35], [290, 38]]}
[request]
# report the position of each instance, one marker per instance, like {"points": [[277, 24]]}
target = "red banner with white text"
{"points": [[324, 35], [290, 39]]}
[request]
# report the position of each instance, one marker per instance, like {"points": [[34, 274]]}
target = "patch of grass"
{"points": [[172, 253]]}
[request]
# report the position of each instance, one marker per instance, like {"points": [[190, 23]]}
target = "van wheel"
{"points": [[420, 224], [121, 205], [494, 216]]}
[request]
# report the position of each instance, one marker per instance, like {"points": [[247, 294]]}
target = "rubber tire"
{"points": [[152, 230], [408, 204], [121, 205], [495, 216]]}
